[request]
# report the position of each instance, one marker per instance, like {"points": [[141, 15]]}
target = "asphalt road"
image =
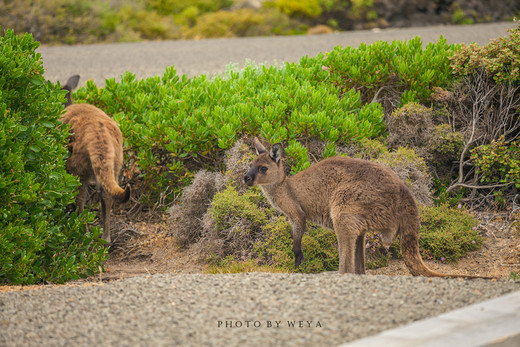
{"points": [[101, 61]]}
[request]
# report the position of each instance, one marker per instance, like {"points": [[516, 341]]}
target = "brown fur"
{"points": [[96, 156], [350, 196]]}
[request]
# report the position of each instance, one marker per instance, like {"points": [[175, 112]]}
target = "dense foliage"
{"points": [[170, 121], [38, 240]]}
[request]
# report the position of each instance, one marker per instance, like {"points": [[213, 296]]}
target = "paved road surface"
{"points": [[99, 62]]}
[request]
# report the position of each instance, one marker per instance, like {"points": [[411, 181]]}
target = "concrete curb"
{"points": [[495, 322]]}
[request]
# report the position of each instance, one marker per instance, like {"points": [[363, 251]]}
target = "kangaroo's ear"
{"points": [[276, 152], [72, 83], [259, 147]]}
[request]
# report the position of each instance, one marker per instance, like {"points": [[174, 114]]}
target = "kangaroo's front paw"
{"points": [[298, 258]]}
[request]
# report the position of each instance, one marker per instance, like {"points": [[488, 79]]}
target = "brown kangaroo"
{"points": [[96, 154], [350, 196]]}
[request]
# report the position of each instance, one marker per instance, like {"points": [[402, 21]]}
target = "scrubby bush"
{"points": [[445, 145], [186, 217], [483, 106], [275, 248], [233, 224], [410, 125], [243, 22], [412, 170], [447, 233], [38, 240]]}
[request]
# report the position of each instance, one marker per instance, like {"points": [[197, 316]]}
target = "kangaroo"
{"points": [[350, 196], [96, 154]]}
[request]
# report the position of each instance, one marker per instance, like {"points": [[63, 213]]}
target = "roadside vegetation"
{"points": [[444, 117], [96, 21]]}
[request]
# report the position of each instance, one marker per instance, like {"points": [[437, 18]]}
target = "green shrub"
{"points": [[320, 247], [447, 234], [168, 7], [307, 8], [404, 67], [38, 241], [172, 119]]}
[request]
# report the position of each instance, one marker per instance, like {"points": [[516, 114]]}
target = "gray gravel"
{"points": [[198, 310]]}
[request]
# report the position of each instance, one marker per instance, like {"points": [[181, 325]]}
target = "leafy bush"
{"points": [[169, 122], [400, 68], [39, 241]]}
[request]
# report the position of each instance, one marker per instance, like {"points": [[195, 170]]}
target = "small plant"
{"points": [[447, 233], [515, 276]]}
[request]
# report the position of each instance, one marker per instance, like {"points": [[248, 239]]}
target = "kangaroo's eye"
{"points": [[263, 169]]}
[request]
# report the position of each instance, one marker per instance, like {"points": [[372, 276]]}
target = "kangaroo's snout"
{"points": [[249, 179]]}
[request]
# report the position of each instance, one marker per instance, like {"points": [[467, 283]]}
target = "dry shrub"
{"points": [[412, 170], [186, 217], [412, 126], [237, 163]]}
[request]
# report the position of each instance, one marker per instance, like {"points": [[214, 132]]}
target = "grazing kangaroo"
{"points": [[96, 154], [350, 196]]}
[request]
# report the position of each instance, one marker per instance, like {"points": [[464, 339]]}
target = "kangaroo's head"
{"points": [[72, 82], [267, 168]]}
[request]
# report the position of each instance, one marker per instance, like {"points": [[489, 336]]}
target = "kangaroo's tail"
{"points": [[409, 234], [103, 164]]}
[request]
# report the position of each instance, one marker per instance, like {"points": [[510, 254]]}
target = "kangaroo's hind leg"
{"points": [[351, 243], [106, 208]]}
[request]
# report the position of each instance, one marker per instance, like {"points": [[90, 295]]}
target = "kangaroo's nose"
{"points": [[248, 179]]}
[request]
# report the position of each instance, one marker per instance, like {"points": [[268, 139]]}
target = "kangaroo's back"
{"points": [[364, 189], [96, 146]]}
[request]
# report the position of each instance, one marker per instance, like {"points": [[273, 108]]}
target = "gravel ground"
{"points": [[253, 309]]}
